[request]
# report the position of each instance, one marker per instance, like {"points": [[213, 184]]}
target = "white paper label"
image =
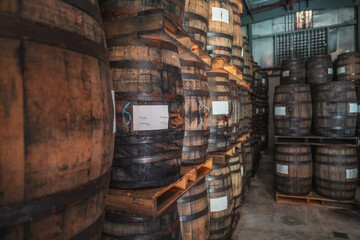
{"points": [[218, 204], [280, 111], [353, 108], [262, 138], [351, 173], [330, 71], [151, 117], [220, 107], [283, 169], [341, 70], [242, 52], [263, 80], [220, 14], [285, 73], [113, 100], [257, 111], [242, 171]]}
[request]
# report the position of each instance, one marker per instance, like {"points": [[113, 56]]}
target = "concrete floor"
{"points": [[263, 218]]}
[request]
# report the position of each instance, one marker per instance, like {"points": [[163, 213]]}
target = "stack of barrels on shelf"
{"points": [[127, 117], [325, 108], [172, 110]]}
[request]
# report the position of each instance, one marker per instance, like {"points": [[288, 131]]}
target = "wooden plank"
{"points": [[152, 202], [312, 199]]}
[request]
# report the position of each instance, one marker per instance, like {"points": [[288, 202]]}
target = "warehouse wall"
{"points": [[341, 38]]}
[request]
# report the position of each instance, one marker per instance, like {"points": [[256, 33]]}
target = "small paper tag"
{"points": [[242, 52], [113, 100], [262, 138], [286, 73], [242, 171], [150, 117], [280, 111], [341, 70], [257, 111], [220, 14], [351, 173], [330, 71], [218, 204], [220, 107], [353, 108], [283, 169], [263, 80]]}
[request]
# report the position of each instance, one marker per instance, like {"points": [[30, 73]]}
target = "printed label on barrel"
{"points": [[263, 80], [283, 169], [257, 111], [341, 70], [151, 117], [286, 73], [220, 14], [262, 138], [353, 108], [113, 100], [220, 107], [242, 52], [242, 171], [280, 111], [218, 204], [351, 173], [330, 71]]}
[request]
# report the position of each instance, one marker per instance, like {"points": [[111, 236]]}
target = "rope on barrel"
{"points": [[201, 104], [126, 112]]}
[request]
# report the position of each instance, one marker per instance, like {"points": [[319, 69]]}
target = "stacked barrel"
{"points": [[56, 116], [322, 107]]}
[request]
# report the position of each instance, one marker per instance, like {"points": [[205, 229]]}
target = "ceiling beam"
{"points": [[262, 15]]}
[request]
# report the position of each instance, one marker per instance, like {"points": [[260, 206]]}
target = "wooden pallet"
{"points": [[219, 63], [152, 202], [313, 199], [156, 24], [223, 157], [317, 140]]}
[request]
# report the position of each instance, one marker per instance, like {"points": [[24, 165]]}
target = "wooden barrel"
{"points": [[235, 116], [293, 71], [220, 34], [336, 172], [242, 173], [197, 112], [335, 109], [293, 169], [292, 110], [241, 110], [264, 138], [218, 184], [123, 225], [237, 48], [357, 89], [348, 66], [194, 213], [247, 61], [174, 9], [236, 180], [246, 101], [319, 69], [220, 123], [255, 152], [264, 85], [196, 20], [56, 116], [248, 158], [150, 112]]}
